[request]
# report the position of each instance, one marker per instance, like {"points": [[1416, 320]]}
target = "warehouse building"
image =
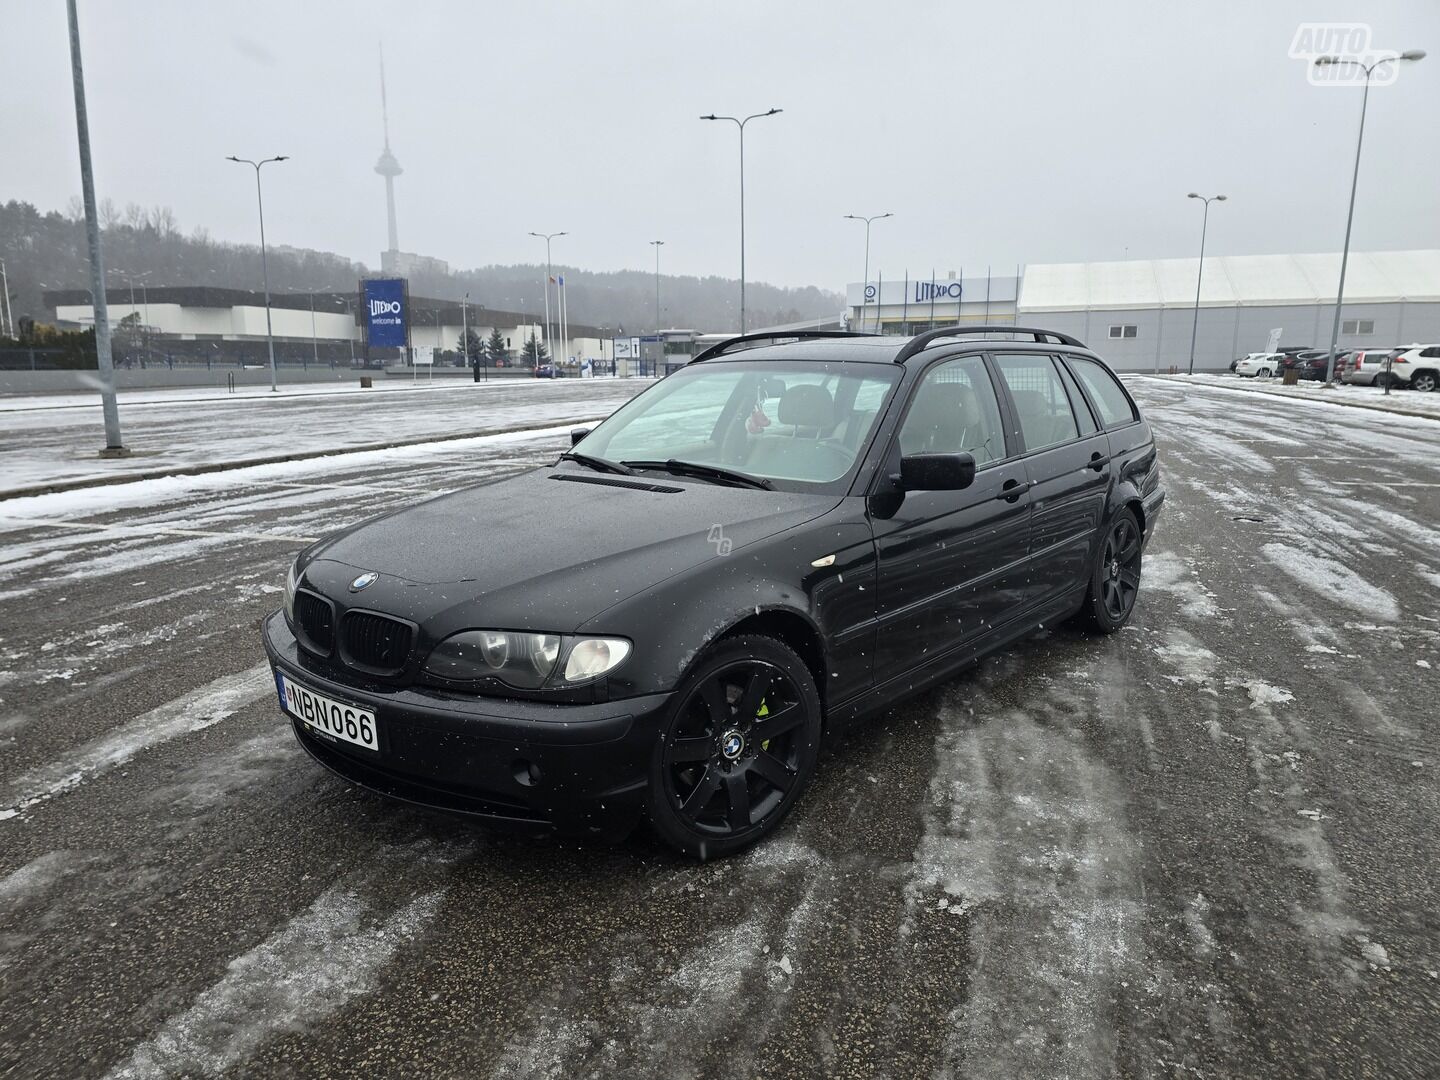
{"points": [[1139, 313], [225, 326]]}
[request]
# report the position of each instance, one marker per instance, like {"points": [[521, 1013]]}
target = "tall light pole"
{"points": [[474, 361], [865, 280], [740, 123], [264, 268], [350, 330], [657, 245], [1200, 273], [547, 237], [113, 446], [7, 317], [1369, 69], [314, 338]]}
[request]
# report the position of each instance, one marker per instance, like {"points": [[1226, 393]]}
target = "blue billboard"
{"points": [[385, 312]]}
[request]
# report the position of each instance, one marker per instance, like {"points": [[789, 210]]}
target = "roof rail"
{"points": [[774, 335], [920, 342]]}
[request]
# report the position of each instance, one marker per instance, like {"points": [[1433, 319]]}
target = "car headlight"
{"points": [[526, 661], [291, 580]]}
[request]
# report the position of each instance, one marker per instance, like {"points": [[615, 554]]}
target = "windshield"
{"points": [[797, 423]]}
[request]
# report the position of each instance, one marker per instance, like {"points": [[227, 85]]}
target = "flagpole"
{"points": [[905, 304]]}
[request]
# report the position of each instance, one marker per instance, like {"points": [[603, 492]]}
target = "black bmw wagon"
{"points": [[773, 542]]}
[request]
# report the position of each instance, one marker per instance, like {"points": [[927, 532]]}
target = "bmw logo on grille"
{"points": [[364, 581]]}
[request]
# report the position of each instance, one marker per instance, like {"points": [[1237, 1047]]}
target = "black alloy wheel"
{"points": [[1115, 580], [738, 748]]}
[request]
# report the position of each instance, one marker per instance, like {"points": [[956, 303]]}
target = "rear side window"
{"points": [[1041, 403], [1077, 401], [1105, 391]]}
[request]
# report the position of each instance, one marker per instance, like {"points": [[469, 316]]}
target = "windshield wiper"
{"points": [[598, 463], [703, 472]]}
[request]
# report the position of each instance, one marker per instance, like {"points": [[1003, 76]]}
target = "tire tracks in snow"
{"points": [[194, 711], [1025, 841]]}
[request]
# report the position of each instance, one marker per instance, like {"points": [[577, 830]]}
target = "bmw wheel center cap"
{"points": [[733, 745], [364, 581]]}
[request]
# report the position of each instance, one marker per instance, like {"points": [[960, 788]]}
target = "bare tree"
{"points": [[161, 221], [135, 215]]}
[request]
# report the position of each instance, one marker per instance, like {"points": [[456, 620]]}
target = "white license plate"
{"points": [[348, 723]]}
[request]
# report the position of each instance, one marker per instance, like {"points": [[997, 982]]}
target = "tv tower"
{"points": [[387, 166]]}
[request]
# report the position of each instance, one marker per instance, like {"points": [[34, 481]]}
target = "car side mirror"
{"points": [[578, 433], [937, 472]]}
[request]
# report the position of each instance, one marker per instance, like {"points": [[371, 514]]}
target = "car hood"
{"points": [[536, 551]]}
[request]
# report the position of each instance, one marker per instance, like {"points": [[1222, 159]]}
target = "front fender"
{"points": [[673, 621]]}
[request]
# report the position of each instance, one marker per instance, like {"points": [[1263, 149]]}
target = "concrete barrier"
{"points": [[60, 382]]}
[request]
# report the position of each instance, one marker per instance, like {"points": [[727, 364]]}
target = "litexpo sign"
{"points": [[385, 312], [926, 291], [920, 292]]}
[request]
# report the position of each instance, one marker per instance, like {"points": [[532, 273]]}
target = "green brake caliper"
{"points": [[760, 714]]}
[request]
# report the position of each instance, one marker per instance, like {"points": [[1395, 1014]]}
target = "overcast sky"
{"points": [[997, 133]]}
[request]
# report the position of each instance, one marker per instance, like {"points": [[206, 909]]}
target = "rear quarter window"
{"points": [[1105, 390]]}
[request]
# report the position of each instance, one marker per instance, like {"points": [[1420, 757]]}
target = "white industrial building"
{"points": [[907, 305], [1139, 313], [226, 325]]}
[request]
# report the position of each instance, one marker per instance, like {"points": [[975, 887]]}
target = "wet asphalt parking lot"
{"points": [[1203, 847]]}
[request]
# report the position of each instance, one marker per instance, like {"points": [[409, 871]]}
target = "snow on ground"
{"points": [[1400, 402], [194, 711], [178, 490], [44, 446], [350, 384], [305, 971]]}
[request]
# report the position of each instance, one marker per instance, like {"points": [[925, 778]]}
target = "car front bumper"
{"points": [[575, 768]]}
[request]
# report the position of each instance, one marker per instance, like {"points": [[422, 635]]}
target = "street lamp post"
{"points": [[865, 280], [264, 268], [105, 365], [1369, 69], [350, 330], [1200, 273], [465, 337], [314, 338], [547, 237], [657, 245], [740, 123]]}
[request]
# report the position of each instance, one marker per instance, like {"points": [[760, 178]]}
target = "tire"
{"points": [[737, 749], [1424, 381], [1115, 577], [1265, 373]]}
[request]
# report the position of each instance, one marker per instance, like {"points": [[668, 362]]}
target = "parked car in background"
{"points": [[1260, 365], [548, 371], [1312, 364], [1416, 367], [1373, 367]]}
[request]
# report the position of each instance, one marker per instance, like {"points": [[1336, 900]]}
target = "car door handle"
{"points": [[1098, 461], [1013, 489]]}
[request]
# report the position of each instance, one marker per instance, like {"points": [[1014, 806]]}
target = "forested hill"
{"points": [[46, 250]]}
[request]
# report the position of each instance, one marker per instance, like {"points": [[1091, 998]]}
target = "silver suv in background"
{"points": [[1416, 367]]}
